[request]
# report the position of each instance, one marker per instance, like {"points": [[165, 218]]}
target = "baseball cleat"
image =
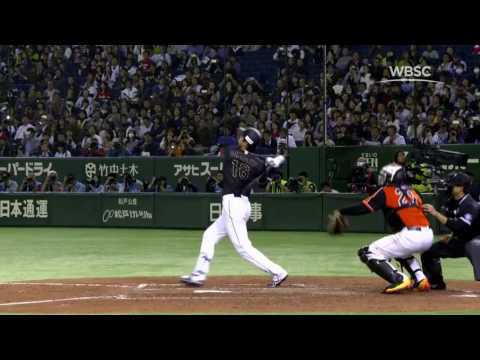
{"points": [[405, 284], [422, 285], [277, 281], [193, 279]]}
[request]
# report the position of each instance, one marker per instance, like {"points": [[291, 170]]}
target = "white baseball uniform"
{"points": [[233, 223], [240, 170]]}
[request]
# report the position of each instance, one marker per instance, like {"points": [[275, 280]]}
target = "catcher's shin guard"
{"points": [[380, 267]]}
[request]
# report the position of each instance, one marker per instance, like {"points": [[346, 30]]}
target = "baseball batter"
{"points": [[402, 208], [241, 168]]}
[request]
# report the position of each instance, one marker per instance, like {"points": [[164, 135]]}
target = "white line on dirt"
{"points": [[466, 296], [69, 284], [59, 300]]}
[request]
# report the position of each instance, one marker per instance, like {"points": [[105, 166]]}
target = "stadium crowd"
{"points": [[363, 111], [177, 100], [159, 100]]}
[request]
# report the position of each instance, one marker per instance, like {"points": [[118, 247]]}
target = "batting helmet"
{"points": [[252, 136]]}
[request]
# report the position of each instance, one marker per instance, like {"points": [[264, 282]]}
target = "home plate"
{"points": [[467, 296], [211, 291]]}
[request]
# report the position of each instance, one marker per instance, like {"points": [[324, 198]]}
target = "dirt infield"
{"points": [[228, 295]]}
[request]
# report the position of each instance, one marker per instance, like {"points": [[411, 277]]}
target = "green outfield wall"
{"points": [[320, 162], [179, 210], [337, 162], [197, 168]]}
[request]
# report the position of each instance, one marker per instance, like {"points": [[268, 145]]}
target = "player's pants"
{"points": [[403, 245], [233, 223], [453, 249]]}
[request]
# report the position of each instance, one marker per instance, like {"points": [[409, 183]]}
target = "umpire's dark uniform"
{"points": [[464, 222]]}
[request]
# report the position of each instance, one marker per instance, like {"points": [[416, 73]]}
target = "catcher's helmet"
{"points": [[252, 136], [459, 179], [392, 174]]}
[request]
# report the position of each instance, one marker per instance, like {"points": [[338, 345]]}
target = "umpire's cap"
{"points": [[459, 179], [252, 136]]}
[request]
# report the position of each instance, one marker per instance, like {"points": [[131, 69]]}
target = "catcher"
{"points": [[402, 207]]}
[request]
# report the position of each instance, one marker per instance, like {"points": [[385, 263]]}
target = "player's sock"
{"points": [[203, 265], [415, 268]]}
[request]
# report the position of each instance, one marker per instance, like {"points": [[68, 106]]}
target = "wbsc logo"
{"points": [[410, 71], [410, 74]]}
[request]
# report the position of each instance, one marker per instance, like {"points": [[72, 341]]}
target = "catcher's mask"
{"points": [[392, 174]]}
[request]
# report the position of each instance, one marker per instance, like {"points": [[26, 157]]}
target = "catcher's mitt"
{"points": [[337, 223]]}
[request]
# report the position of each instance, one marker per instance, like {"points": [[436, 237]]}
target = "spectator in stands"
{"points": [[431, 54], [148, 147], [159, 184], [30, 184], [393, 137], [62, 152], [306, 185], [131, 142], [427, 138], [51, 183], [130, 184], [71, 184], [310, 140], [182, 146], [22, 129], [130, 93], [93, 185], [70, 144], [117, 149], [111, 183], [5, 148], [285, 141], [267, 145], [453, 138], [104, 93], [276, 184], [441, 136], [30, 142], [214, 183], [374, 138], [6, 183], [93, 150], [168, 141], [185, 185], [91, 136], [45, 150], [297, 130]]}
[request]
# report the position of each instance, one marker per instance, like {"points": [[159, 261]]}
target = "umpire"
{"points": [[463, 219]]}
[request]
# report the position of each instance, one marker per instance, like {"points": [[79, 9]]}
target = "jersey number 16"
{"points": [[240, 170]]}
